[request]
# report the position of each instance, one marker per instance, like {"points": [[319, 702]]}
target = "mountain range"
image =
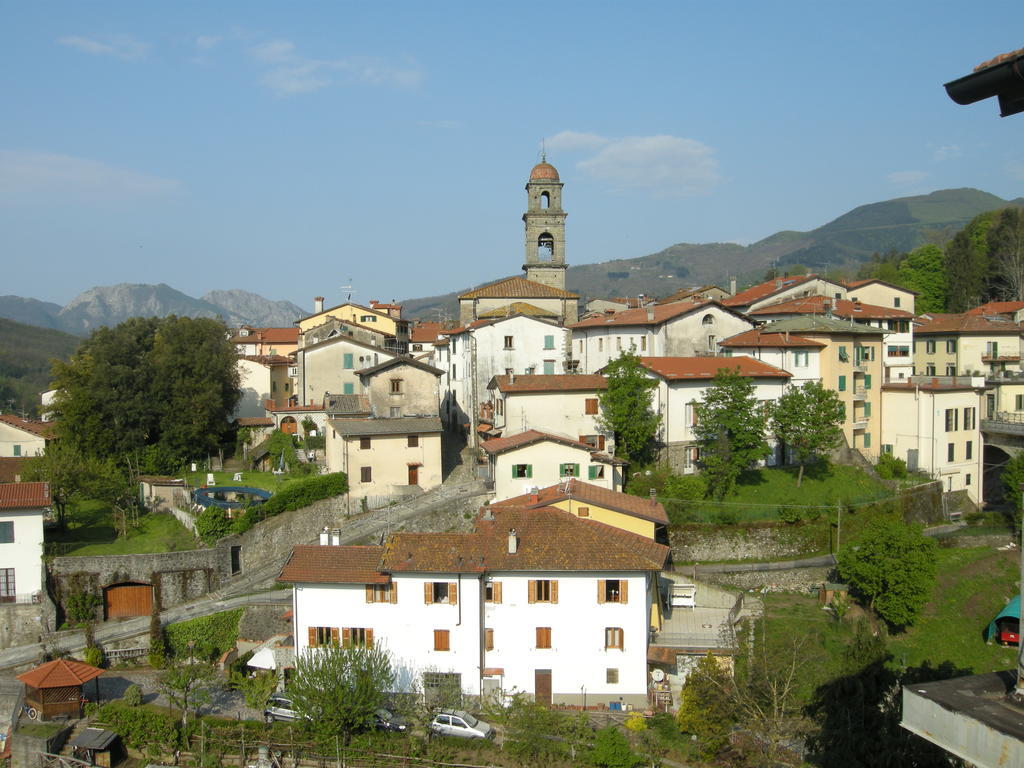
{"points": [[111, 304], [901, 224]]}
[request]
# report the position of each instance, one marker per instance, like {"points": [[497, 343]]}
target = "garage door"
{"points": [[124, 600]]}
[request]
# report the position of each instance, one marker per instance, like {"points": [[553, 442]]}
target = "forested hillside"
{"points": [[26, 353]]}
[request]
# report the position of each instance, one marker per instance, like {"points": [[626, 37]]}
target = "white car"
{"points": [[455, 722]]}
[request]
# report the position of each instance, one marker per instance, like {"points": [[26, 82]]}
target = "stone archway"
{"points": [[289, 426], [994, 460]]}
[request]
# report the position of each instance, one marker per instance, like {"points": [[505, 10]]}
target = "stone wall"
{"points": [[791, 580], [24, 624], [695, 543]]}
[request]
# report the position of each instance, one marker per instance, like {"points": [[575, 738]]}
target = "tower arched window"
{"points": [[545, 200], [545, 247]]}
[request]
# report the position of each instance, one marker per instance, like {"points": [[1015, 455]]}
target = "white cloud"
{"points": [[119, 47], [292, 73], [906, 178], [206, 42], [48, 177], [665, 165], [572, 141], [946, 152]]}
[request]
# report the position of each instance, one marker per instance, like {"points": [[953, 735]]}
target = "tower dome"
{"points": [[544, 170]]}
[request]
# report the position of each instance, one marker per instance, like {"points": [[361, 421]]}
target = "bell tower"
{"points": [[545, 227]]}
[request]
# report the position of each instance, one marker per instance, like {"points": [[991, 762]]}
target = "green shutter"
{"points": [[529, 470], [575, 470], [549, 342], [867, 410], [867, 381], [348, 388], [842, 383], [347, 360], [592, 473], [867, 439], [514, 475]]}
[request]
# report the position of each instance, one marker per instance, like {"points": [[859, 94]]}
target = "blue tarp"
{"points": [[204, 496], [1011, 609]]}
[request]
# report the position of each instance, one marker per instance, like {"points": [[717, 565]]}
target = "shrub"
{"points": [[681, 493], [212, 524], [93, 655], [302, 493], [790, 515], [210, 635], [890, 467], [81, 606], [611, 750], [727, 516], [140, 726], [132, 696]]}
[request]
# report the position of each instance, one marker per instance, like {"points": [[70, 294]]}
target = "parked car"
{"points": [[279, 708], [455, 722], [386, 720]]}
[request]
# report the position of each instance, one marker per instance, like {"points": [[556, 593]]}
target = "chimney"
{"points": [[650, 314], [732, 286], [534, 498], [513, 541], [318, 305], [325, 537]]}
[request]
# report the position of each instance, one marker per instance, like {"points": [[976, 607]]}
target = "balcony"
{"points": [[860, 394], [860, 424]]}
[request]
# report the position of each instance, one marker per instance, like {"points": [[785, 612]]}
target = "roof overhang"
{"points": [[1004, 80]]}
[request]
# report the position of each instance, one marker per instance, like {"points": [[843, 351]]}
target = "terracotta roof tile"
{"points": [[676, 368], [843, 308], [644, 508], [518, 308], [426, 332], [517, 288], [653, 315], [965, 323], [334, 565], [854, 284], [502, 444], [757, 337], [61, 673], [254, 421], [24, 495], [11, 468], [1002, 57], [566, 382], [762, 290], [34, 426], [997, 308], [544, 170]]}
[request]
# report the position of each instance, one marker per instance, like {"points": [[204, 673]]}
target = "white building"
{"points": [[799, 356], [665, 330], [477, 353], [538, 601], [22, 506], [533, 459], [23, 437], [682, 383]]}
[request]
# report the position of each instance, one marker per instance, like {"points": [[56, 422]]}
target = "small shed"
{"points": [[97, 746], [1005, 627], [829, 591], [55, 688]]}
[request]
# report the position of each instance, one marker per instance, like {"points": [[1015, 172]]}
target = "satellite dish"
{"points": [[657, 675]]}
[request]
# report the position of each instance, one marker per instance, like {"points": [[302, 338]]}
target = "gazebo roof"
{"points": [[60, 674]]}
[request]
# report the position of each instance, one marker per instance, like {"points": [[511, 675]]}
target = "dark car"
{"points": [[386, 720]]}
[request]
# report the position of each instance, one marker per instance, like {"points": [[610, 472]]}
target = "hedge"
{"points": [[211, 635], [301, 493]]}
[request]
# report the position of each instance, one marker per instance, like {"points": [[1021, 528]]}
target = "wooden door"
{"points": [[542, 686], [414, 475], [289, 426], [126, 600]]}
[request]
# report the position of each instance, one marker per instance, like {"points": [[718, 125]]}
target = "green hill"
{"points": [[26, 353]]}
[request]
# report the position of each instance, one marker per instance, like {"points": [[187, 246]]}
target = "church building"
{"points": [[541, 293]]}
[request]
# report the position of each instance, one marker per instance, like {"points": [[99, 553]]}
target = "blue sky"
{"points": [[292, 149]]}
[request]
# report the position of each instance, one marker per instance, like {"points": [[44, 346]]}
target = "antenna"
{"points": [[543, 151], [348, 288]]}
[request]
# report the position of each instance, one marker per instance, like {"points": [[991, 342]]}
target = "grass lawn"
{"points": [[90, 531], [268, 481]]}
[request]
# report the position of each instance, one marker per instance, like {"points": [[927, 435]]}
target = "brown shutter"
{"points": [[441, 640], [488, 639], [622, 640], [346, 637], [428, 592], [369, 593], [369, 638], [554, 590], [453, 592], [496, 592], [312, 637], [334, 635], [394, 592], [623, 591], [600, 590], [532, 593]]}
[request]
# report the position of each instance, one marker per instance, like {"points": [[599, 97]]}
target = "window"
{"points": [[321, 636], [691, 455], [396, 386], [273, 388], [1019, 402], [382, 593], [594, 441], [898, 350], [612, 591], [440, 593], [950, 452], [967, 480], [453, 371], [896, 302], [357, 636], [842, 383], [643, 343], [412, 441], [950, 346], [395, 412], [7, 532], [492, 592], [542, 591], [543, 637], [348, 388], [952, 419], [929, 347], [549, 367], [613, 638], [864, 354], [867, 410], [992, 349], [867, 439], [346, 360], [969, 450], [442, 640], [366, 474], [364, 443], [549, 342], [618, 342], [970, 418], [583, 511], [950, 369], [590, 406], [417, 347], [887, 448], [441, 686], [7, 590], [844, 356], [595, 471], [800, 359], [929, 369], [488, 639], [568, 470], [581, 346], [611, 676], [522, 470], [508, 342]]}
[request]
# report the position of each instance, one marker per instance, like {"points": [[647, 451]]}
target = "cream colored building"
{"points": [[966, 345], [332, 365], [401, 386], [881, 293], [385, 319], [263, 378], [529, 460], [23, 437], [932, 423], [385, 457]]}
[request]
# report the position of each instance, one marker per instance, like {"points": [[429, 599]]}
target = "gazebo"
{"points": [[55, 688]]}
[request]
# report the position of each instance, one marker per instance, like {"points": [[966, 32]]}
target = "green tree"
{"points": [[626, 408], [338, 688], [924, 272], [808, 420], [611, 750], [169, 382], [533, 732], [281, 448], [730, 429], [188, 685], [892, 564], [1006, 252], [1012, 477], [968, 267], [706, 709]]}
